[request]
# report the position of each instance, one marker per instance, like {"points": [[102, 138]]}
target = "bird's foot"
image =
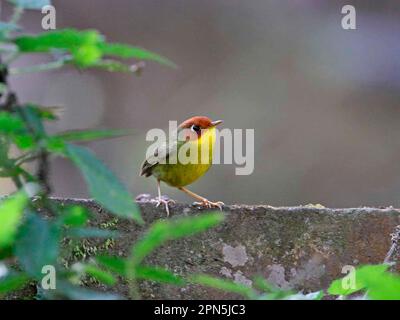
{"points": [[165, 202], [208, 204]]}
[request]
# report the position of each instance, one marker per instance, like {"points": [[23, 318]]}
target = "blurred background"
{"points": [[324, 102]]}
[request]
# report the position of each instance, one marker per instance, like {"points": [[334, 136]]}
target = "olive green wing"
{"points": [[160, 155]]}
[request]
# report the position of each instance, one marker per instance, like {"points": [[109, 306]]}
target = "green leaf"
{"points": [[33, 119], [12, 126], [224, 285], [37, 244], [263, 285], [82, 45], [356, 280], [158, 275], [10, 123], [11, 211], [338, 287], [43, 113], [47, 113], [127, 51], [13, 282], [75, 215], [67, 39], [116, 265], [6, 252], [163, 231], [86, 55], [104, 187], [385, 286], [379, 283], [87, 48], [55, 145], [92, 233], [24, 141], [89, 135], [374, 279], [100, 275], [31, 4]]}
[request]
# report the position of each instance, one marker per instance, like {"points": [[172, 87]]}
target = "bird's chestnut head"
{"points": [[192, 128]]}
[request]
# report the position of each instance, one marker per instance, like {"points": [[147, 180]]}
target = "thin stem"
{"points": [[133, 289], [11, 57], [395, 238], [130, 270], [17, 181], [38, 68], [43, 171], [25, 158], [18, 11]]}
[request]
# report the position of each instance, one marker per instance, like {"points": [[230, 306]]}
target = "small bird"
{"points": [[166, 165]]}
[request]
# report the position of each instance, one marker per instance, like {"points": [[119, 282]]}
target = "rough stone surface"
{"points": [[302, 247]]}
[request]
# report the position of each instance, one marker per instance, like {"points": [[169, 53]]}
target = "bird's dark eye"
{"points": [[195, 128]]}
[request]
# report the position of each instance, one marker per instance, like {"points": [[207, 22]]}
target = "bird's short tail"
{"points": [[146, 169]]}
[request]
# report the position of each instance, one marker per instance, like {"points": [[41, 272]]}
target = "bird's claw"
{"points": [[208, 204], [165, 202]]}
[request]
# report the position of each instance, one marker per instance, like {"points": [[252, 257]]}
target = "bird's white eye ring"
{"points": [[195, 128]]}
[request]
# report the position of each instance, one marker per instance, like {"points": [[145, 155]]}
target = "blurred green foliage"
{"points": [[84, 49], [373, 280], [25, 233], [11, 211]]}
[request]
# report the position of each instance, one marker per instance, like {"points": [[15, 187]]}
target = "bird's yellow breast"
{"points": [[182, 173]]}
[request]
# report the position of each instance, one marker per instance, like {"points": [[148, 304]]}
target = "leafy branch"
{"points": [[30, 239], [25, 233]]}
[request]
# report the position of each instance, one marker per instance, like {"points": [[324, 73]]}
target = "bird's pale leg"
{"points": [[161, 200], [203, 201]]}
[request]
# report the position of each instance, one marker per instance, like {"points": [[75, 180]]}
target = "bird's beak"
{"points": [[216, 122]]}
